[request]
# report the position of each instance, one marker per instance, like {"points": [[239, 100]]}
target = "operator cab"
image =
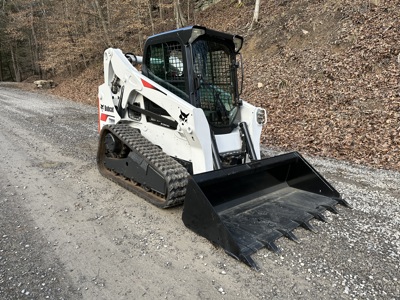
{"points": [[198, 65]]}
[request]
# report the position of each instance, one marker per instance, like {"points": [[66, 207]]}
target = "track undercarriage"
{"points": [[127, 158]]}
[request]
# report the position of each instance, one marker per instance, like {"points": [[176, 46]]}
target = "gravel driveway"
{"points": [[68, 233]]}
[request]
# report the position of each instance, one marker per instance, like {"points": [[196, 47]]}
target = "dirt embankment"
{"points": [[327, 72]]}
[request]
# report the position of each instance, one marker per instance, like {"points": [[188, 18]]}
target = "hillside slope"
{"points": [[326, 71]]}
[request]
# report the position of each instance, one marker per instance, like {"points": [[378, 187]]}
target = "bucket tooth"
{"points": [[244, 258], [307, 225], [332, 209], [290, 235], [318, 216], [343, 202], [249, 261], [272, 247]]}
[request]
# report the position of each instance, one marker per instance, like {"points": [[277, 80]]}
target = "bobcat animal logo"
{"points": [[183, 116]]}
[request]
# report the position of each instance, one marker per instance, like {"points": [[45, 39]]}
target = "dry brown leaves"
{"points": [[329, 72], [334, 91]]}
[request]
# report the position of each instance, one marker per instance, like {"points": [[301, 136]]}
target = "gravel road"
{"points": [[68, 233]]}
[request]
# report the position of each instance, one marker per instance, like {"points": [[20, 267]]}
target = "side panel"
{"points": [[191, 140], [229, 142], [192, 124], [107, 111]]}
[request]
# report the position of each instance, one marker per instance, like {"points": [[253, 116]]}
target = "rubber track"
{"points": [[175, 175]]}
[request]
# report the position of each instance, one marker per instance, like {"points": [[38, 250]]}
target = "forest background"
{"points": [[328, 72]]}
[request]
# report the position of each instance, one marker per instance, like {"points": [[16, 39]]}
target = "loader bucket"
{"points": [[248, 207]]}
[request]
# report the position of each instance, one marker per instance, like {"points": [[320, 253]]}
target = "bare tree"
{"points": [[160, 5], [256, 14], [66, 36], [16, 65], [150, 16], [108, 12], [179, 18], [188, 11], [103, 23], [34, 43], [44, 18]]}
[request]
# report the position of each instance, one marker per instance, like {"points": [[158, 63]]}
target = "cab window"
{"points": [[165, 66]]}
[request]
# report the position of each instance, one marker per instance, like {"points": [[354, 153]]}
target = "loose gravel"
{"points": [[68, 233]]}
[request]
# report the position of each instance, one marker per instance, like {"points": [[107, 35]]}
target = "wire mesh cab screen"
{"points": [[213, 64], [165, 66]]}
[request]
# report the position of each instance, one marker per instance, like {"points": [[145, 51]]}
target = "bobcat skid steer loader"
{"points": [[178, 132]]}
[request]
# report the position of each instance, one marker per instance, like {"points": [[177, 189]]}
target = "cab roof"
{"points": [[183, 35]]}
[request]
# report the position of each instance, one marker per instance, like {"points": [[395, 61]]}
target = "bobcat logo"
{"points": [[106, 108], [183, 116]]}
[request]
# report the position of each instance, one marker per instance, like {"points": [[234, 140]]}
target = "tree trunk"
{"points": [[15, 64], [150, 16], [160, 5], [188, 12], [141, 42], [103, 23], [180, 20], [108, 13], [256, 14], [46, 25], [1, 65], [35, 46]]}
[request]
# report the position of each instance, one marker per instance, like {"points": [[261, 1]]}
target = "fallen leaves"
{"points": [[332, 92], [341, 96]]}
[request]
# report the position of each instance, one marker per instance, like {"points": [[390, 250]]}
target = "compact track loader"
{"points": [[178, 132]]}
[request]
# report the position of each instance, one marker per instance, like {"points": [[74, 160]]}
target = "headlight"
{"points": [[238, 42], [261, 116]]}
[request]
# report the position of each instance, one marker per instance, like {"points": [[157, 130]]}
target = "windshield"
{"points": [[214, 68]]}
